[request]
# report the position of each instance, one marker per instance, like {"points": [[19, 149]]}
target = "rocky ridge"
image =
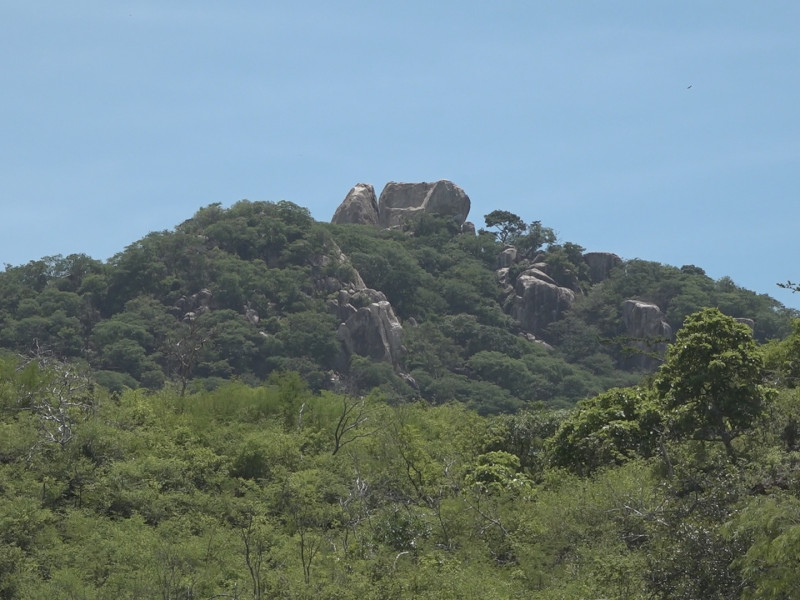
{"points": [[533, 298], [400, 202]]}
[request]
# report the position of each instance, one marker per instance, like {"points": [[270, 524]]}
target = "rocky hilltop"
{"points": [[530, 296], [399, 292], [399, 203]]}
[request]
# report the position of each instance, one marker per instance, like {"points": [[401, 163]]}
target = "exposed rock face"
{"points": [[506, 258], [600, 264], [645, 321], [360, 206], [537, 303], [399, 202], [535, 272], [749, 322], [373, 331]]}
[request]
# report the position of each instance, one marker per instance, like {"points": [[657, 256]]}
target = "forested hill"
{"points": [[284, 411], [262, 287]]}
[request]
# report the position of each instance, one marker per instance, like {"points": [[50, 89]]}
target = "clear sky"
{"points": [[120, 118]]}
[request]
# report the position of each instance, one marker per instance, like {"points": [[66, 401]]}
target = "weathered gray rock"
{"points": [[366, 297], [360, 207], [502, 275], [749, 322], [646, 323], [600, 264], [534, 272], [329, 285], [536, 303], [341, 307], [399, 202], [410, 381], [506, 258], [538, 258], [374, 332], [468, 228]]}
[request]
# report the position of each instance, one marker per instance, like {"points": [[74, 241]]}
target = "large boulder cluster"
{"points": [[367, 323], [399, 203], [359, 206], [600, 264], [536, 300], [533, 298]]}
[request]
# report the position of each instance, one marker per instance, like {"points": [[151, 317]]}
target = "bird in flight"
{"points": [[688, 88]]}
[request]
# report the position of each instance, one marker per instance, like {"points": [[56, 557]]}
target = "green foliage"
{"points": [[772, 529], [610, 429], [272, 491], [508, 225], [711, 382], [782, 358], [247, 291]]}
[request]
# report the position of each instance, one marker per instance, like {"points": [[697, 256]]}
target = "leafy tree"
{"points": [[782, 359], [769, 564], [508, 225], [609, 429], [535, 237], [711, 383]]}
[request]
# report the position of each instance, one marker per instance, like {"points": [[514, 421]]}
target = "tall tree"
{"points": [[711, 381], [508, 224]]}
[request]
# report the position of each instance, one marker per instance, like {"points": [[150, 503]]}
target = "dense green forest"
{"points": [[683, 487], [247, 291], [191, 419]]}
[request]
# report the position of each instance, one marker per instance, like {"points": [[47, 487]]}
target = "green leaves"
{"points": [[609, 429], [710, 384]]}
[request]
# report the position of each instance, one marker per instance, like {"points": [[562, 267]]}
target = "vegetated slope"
{"points": [[246, 291], [685, 487]]}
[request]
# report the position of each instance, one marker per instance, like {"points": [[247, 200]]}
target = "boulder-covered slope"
{"points": [[399, 293]]}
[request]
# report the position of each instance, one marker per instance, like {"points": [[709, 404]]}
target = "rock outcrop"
{"points": [[600, 264], [468, 228], [538, 274], [536, 303], [506, 258], [373, 331], [400, 202], [360, 206], [646, 324], [749, 322]]}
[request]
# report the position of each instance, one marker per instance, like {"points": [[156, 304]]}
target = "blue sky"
{"points": [[120, 118]]}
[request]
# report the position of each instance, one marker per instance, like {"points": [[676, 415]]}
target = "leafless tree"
{"points": [[184, 352], [355, 413], [61, 397]]}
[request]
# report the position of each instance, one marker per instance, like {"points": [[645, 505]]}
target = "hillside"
{"points": [[285, 411], [499, 319]]}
